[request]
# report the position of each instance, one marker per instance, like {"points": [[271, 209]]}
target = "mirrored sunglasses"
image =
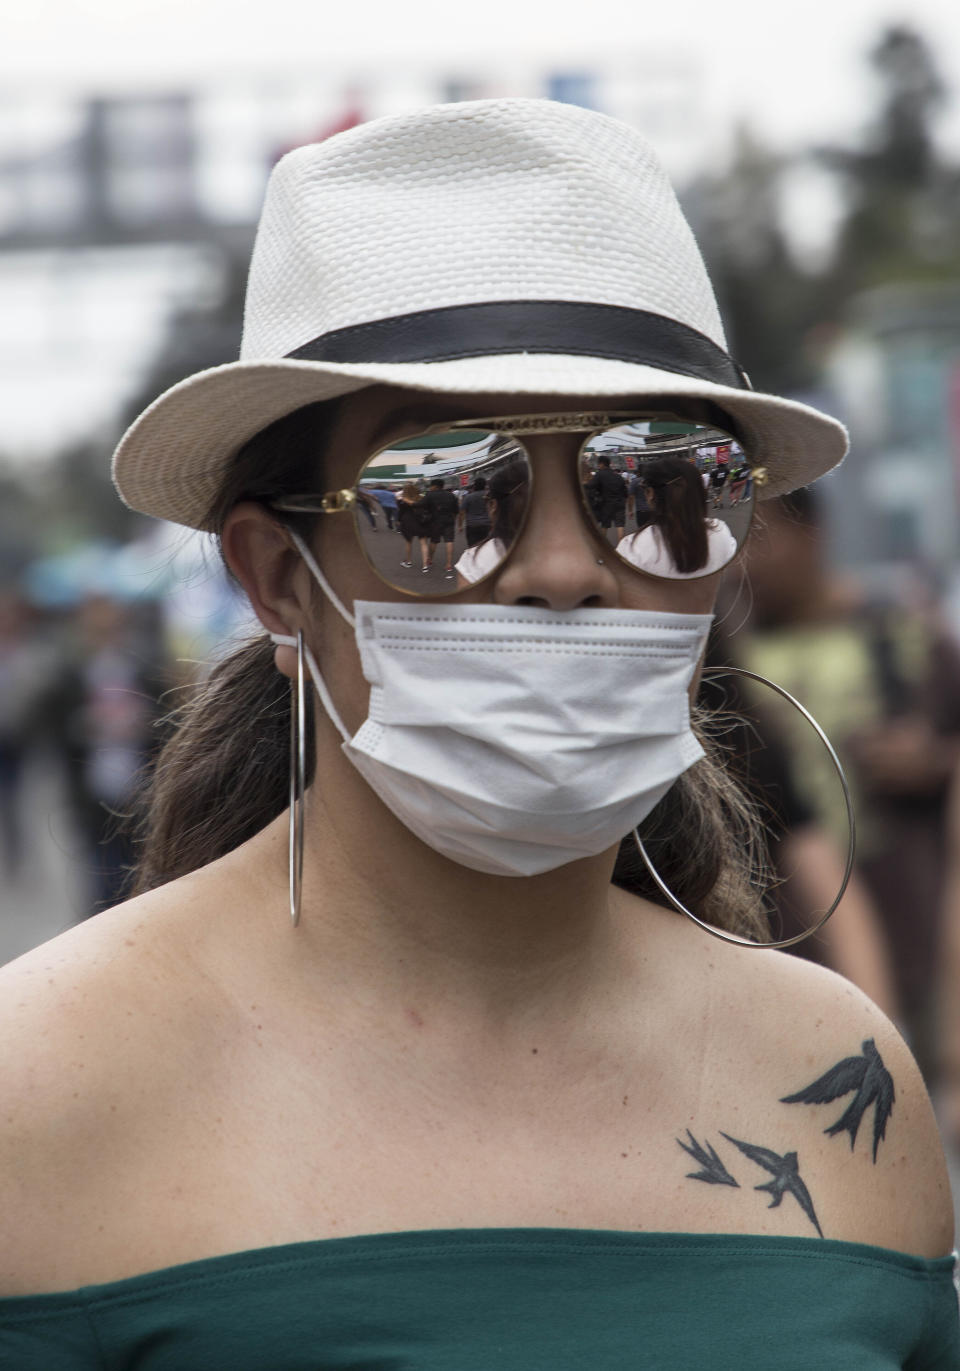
{"points": [[672, 499]]}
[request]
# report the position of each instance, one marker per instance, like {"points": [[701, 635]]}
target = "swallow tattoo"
{"points": [[713, 1170], [786, 1177], [873, 1084]]}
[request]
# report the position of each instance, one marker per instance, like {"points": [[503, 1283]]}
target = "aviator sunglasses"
{"points": [[672, 499]]}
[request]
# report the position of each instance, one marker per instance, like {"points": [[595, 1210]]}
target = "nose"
{"points": [[558, 562]]}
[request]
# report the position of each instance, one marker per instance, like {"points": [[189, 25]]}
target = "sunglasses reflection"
{"points": [[675, 515]]}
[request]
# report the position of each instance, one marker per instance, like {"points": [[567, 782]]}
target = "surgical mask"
{"points": [[515, 739]]}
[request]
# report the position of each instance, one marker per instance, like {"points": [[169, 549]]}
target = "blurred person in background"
{"points": [[369, 506], [884, 681], [947, 988], [638, 503], [25, 666], [442, 512], [387, 500], [475, 512], [102, 708], [413, 521], [608, 496]]}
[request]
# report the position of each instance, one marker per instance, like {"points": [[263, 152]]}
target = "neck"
{"points": [[385, 916]]}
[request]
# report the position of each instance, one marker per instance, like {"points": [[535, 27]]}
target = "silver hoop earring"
{"points": [[851, 845], [298, 781]]}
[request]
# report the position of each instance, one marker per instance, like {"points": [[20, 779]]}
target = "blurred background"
{"points": [[817, 152]]}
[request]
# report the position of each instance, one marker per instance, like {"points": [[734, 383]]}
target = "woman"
{"points": [[475, 512], [506, 504], [478, 1105], [413, 524], [680, 540]]}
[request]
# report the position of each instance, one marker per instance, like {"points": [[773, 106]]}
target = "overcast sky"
{"points": [[794, 65]]}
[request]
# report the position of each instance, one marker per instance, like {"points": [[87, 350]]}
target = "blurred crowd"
{"points": [[96, 646], [84, 691]]}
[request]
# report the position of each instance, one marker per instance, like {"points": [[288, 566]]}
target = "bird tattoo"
{"points": [[873, 1084], [786, 1176], [712, 1170]]}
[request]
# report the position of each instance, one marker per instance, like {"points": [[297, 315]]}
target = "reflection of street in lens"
{"points": [[464, 501], [384, 551]]}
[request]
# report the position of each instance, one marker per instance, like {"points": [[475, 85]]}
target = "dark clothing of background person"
{"points": [[442, 510], [865, 678], [413, 519], [387, 501], [25, 664], [608, 497], [643, 514], [365, 503], [102, 710], [476, 514]]}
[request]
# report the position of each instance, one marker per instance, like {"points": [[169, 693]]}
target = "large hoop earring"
{"points": [[851, 845], [298, 781]]}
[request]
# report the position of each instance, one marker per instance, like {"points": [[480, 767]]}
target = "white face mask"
{"points": [[513, 739]]}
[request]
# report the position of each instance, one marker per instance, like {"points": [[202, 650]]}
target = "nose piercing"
{"points": [[599, 561]]}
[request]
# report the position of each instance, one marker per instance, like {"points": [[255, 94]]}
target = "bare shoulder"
{"points": [[79, 987], [92, 1023], [837, 1090]]}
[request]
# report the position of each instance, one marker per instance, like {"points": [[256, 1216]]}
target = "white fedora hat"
{"points": [[506, 246]]}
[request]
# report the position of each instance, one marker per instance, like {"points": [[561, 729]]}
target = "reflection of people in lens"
{"points": [[607, 496], [368, 506], [681, 540], [506, 504], [387, 501], [739, 483], [412, 521], [443, 510], [475, 513], [638, 502], [718, 479]]}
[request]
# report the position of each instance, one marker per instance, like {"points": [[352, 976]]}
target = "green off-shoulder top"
{"points": [[512, 1299]]}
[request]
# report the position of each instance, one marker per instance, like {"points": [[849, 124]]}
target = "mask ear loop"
{"points": [[851, 846], [319, 577]]}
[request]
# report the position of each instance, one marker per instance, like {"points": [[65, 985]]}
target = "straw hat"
{"points": [[515, 246]]}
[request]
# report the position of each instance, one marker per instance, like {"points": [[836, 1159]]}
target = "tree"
{"points": [[903, 202], [902, 206], [768, 302]]}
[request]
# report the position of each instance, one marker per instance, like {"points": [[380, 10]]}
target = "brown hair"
{"points": [[680, 506], [223, 774]]}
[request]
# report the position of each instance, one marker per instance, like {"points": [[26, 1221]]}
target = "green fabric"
{"points": [[509, 1300]]}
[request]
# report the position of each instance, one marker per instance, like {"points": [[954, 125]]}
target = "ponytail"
{"points": [[223, 774]]}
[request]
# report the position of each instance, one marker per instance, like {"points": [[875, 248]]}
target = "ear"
{"points": [[258, 550]]}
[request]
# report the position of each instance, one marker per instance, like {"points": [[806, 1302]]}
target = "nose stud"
{"points": [[600, 561]]}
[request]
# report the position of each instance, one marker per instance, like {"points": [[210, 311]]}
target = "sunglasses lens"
{"points": [[674, 499], [440, 511]]}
